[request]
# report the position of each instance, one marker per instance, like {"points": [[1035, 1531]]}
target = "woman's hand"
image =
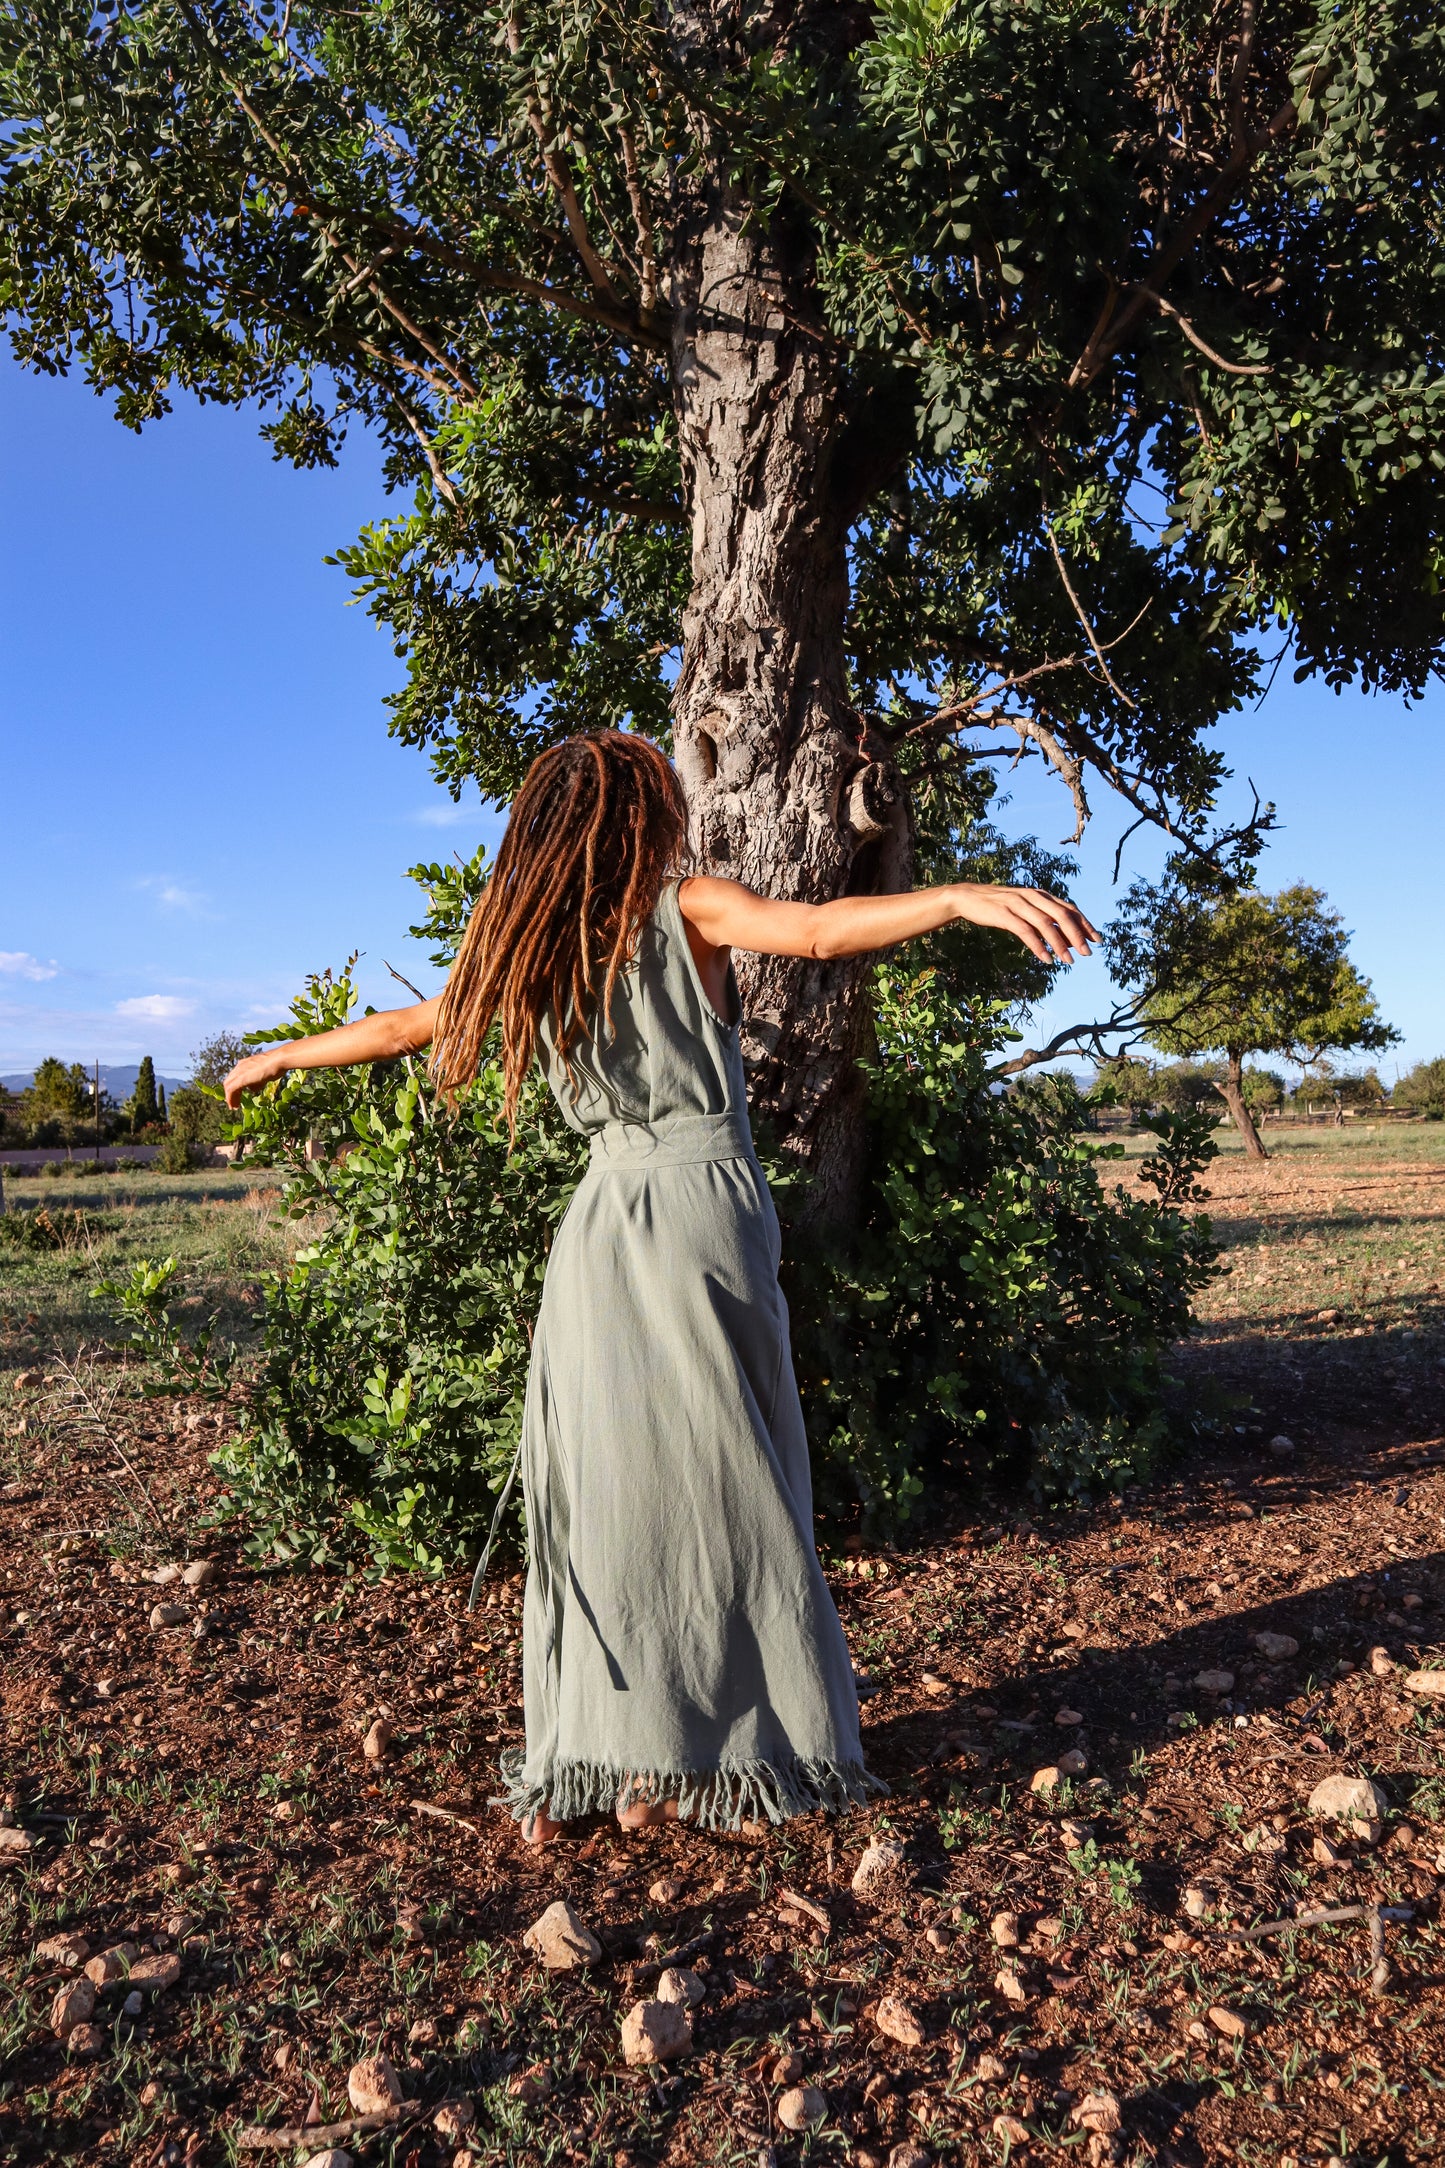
{"points": [[1041, 921], [257, 1069]]}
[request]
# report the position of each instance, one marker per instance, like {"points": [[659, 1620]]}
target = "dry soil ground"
{"points": [[200, 1791]]}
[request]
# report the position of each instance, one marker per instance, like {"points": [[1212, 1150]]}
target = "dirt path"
{"points": [[200, 1790]]}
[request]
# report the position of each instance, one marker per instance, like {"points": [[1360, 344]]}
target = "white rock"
{"points": [[1047, 1779], [1382, 1663], [1099, 2112], [69, 1950], [560, 1939], [896, 2020], [453, 2119], [801, 2107], [1004, 1928], [201, 1573], [164, 1576], [1349, 1799], [1009, 1985], [680, 1984], [73, 2005], [656, 2032], [1276, 1648], [1425, 1682], [378, 1739], [372, 2085], [880, 1867], [16, 1842], [169, 1614]]}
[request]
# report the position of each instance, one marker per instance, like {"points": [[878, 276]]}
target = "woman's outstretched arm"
{"points": [[372, 1038], [727, 915]]}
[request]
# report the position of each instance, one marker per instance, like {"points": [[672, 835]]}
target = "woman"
{"points": [[681, 1653]]}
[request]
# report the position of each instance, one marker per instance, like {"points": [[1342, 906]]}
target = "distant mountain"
{"points": [[120, 1083]]}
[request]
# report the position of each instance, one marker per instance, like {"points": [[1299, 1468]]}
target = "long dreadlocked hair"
{"points": [[596, 828]]}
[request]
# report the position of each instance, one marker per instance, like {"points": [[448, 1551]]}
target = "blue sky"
{"points": [[201, 802]]}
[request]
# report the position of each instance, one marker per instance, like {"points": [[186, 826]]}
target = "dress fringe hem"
{"points": [[722, 1798]]}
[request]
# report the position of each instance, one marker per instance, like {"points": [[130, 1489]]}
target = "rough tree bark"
{"points": [[1232, 1090], [788, 791]]}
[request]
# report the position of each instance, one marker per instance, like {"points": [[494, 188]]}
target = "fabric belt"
{"points": [[688, 1141]]}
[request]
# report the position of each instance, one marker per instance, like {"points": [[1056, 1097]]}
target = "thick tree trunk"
{"points": [[787, 792], [1233, 1091]]}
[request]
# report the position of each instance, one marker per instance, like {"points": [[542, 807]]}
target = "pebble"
{"points": [[73, 2005], [1327, 1854], [112, 1964], [69, 1950], [897, 2021], [1008, 2128], [453, 2119], [181, 1924], [1351, 1799], [1228, 2022], [16, 1842], [561, 1941], [133, 2005], [1074, 1834], [655, 2032], [201, 1573], [1097, 2112], [1009, 1985], [938, 1938], [880, 1866], [1047, 1779], [1276, 1648], [1215, 1682], [1425, 1682], [801, 2107], [530, 2086], [335, 2156], [153, 1975], [666, 1890], [164, 1575], [787, 2070], [1281, 1447], [166, 1615], [1069, 1716], [86, 2040], [1073, 1762], [372, 2085], [680, 1984], [909, 2155], [991, 2069], [378, 1739], [932, 1684], [1004, 1928], [1382, 1663], [1196, 1902], [425, 2033]]}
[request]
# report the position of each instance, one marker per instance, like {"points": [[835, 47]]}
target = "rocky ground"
{"points": [[255, 1809]]}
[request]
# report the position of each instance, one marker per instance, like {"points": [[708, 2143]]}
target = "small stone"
{"points": [[335, 2156], [378, 1739], [1196, 1902], [938, 1938], [801, 2107], [153, 1975], [1228, 2022], [1004, 1929], [655, 2032], [1074, 1834], [181, 1924], [787, 2070], [909, 2155], [166, 1615], [560, 1939], [991, 2070], [201, 1573], [879, 1868], [1098, 2112], [1350, 1799], [112, 1964], [1327, 1854], [453, 2119], [680, 1984], [1281, 1447], [69, 1950], [530, 2086], [1069, 1716], [1430, 1683], [372, 2085], [133, 2005], [1200, 2032], [86, 2040], [1008, 2129], [1047, 1779], [1276, 1648], [150, 2093], [15, 1843], [1073, 1762], [1009, 1985], [1215, 1682], [666, 1890], [73, 2005], [1381, 1663], [425, 2033], [896, 2021], [164, 1576]]}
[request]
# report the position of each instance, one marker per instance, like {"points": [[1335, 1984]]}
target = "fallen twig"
{"points": [[805, 1904], [1324, 1918], [676, 1956], [256, 2138], [444, 1814]]}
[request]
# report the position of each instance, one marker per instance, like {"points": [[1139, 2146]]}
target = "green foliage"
{"points": [[173, 1365], [197, 1116], [211, 1061], [1422, 1090], [144, 1107], [996, 1304]]}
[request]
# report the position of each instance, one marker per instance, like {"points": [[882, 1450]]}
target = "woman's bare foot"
{"points": [[539, 1827], [647, 1813]]}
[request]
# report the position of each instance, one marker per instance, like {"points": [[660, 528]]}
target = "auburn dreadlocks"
{"points": [[595, 830]]}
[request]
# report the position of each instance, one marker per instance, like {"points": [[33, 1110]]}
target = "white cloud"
{"points": [[444, 816], [170, 894], [16, 964], [156, 1008]]}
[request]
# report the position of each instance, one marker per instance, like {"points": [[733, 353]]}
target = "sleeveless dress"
{"points": [[679, 1640]]}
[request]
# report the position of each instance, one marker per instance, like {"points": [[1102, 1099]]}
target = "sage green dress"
{"points": [[678, 1637]]}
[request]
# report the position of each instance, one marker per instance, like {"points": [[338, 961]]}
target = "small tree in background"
{"points": [[1132, 1082], [1246, 974], [144, 1107], [1421, 1090], [212, 1059]]}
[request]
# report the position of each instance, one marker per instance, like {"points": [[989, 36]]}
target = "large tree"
{"points": [[864, 393]]}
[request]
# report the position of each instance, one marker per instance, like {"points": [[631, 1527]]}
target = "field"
{"points": [[1029, 1973]]}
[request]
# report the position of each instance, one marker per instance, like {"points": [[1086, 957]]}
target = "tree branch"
{"points": [[1081, 1039], [559, 174], [1083, 616], [1232, 368]]}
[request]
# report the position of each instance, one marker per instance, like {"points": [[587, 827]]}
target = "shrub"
{"points": [[1422, 1090], [994, 1306], [176, 1154]]}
